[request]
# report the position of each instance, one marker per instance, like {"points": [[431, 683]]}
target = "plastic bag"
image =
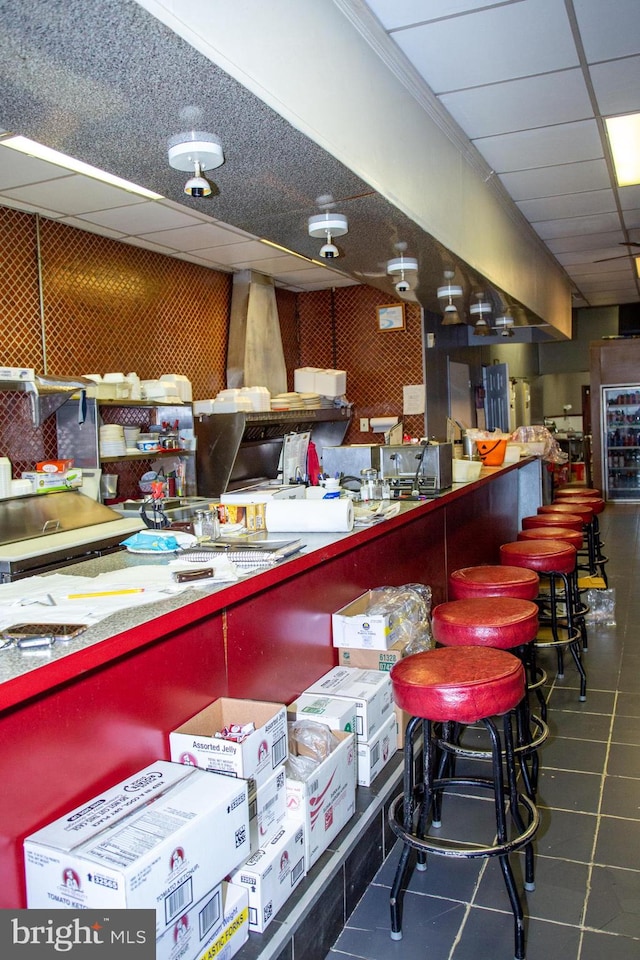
{"points": [[602, 606], [410, 607], [314, 742]]}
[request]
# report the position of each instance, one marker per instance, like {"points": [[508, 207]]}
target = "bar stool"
{"points": [[553, 560], [461, 685], [584, 510], [505, 623], [597, 561], [551, 531], [494, 580]]}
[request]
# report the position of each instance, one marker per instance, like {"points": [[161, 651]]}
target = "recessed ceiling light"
{"points": [[624, 138], [38, 150]]}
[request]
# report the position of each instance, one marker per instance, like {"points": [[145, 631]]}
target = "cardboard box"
{"points": [[371, 659], [374, 754], [53, 482], [267, 808], [250, 513], [352, 626], [272, 873], [53, 466], [336, 712], [326, 802], [370, 689], [256, 757], [402, 719], [216, 926], [162, 839]]}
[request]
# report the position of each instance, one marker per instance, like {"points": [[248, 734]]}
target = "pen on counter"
{"points": [[103, 593]]}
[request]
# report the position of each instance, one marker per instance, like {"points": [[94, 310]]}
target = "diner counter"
{"points": [[83, 715]]}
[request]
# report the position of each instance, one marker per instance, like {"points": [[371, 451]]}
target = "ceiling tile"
{"points": [[556, 180], [566, 143], [607, 37], [500, 43], [17, 169], [196, 237], [75, 195], [617, 85], [552, 98], [571, 205], [235, 253], [572, 226], [91, 228], [400, 13], [602, 244], [141, 218], [629, 197]]}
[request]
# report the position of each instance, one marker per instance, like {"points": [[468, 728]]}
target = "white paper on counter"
{"points": [[309, 516]]}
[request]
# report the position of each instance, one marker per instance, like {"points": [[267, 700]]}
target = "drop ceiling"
{"points": [[526, 82], [529, 82]]}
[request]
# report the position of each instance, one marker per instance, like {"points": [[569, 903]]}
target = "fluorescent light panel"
{"points": [[38, 150], [624, 137]]}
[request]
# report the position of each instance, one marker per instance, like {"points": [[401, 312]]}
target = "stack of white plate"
{"points": [[311, 401], [112, 442], [5, 477], [287, 401]]}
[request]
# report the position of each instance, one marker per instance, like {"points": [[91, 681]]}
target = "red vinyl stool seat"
{"points": [[569, 520], [501, 622], [577, 491], [492, 580], [582, 510], [460, 685], [565, 535], [554, 560]]}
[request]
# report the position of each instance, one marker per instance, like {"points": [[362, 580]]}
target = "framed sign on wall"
{"points": [[391, 316]]}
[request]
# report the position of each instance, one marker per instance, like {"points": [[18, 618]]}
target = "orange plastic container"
{"points": [[491, 452]]}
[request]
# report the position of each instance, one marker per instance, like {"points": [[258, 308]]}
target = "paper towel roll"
{"points": [[380, 424], [309, 516]]}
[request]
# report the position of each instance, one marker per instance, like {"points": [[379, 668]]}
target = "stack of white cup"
{"points": [[5, 477]]}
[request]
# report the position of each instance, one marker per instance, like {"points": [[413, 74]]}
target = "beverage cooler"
{"points": [[621, 443]]}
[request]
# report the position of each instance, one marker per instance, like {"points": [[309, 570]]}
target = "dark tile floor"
{"points": [[586, 905]]}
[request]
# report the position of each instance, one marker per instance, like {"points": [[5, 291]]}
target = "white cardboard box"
{"points": [[267, 808], [161, 839], [304, 379], [352, 626], [376, 753], [216, 926], [327, 801], [272, 873], [370, 689], [256, 757], [336, 712]]}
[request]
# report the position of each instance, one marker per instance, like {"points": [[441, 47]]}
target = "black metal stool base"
{"points": [[410, 812]]}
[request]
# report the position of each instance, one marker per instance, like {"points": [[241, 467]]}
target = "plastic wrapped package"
{"points": [[410, 606], [602, 606], [310, 743], [537, 434]]}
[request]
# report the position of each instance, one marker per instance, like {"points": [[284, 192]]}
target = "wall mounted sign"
{"points": [[391, 316]]}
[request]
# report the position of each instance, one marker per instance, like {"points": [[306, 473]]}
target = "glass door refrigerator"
{"points": [[621, 446]]}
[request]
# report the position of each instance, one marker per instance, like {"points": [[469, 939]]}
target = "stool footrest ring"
{"points": [[444, 847]]}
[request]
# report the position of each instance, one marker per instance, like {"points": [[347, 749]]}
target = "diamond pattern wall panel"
{"points": [[20, 441], [20, 327], [113, 307], [339, 329]]}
